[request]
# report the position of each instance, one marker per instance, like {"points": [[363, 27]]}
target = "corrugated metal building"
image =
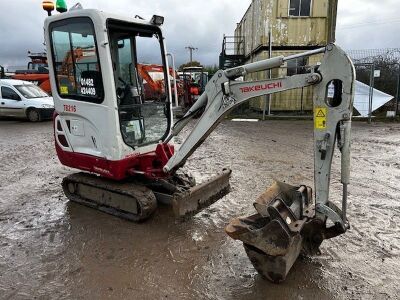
{"points": [[296, 26]]}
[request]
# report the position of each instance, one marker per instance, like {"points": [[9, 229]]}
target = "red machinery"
{"points": [[153, 81], [194, 82], [36, 71]]}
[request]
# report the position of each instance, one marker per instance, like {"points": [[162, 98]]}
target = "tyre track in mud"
{"points": [[51, 248], [29, 208], [364, 263], [373, 241]]}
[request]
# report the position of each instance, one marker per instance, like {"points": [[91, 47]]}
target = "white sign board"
{"points": [[377, 73], [361, 99]]}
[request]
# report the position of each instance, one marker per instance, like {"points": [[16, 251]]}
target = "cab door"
{"points": [[84, 117], [11, 103]]}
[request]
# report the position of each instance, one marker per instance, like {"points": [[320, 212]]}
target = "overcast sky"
{"points": [[362, 24]]}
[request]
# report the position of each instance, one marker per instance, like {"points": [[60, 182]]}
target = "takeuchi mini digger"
{"points": [[120, 137]]}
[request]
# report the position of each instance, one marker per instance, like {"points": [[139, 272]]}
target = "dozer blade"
{"points": [[193, 200], [284, 226]]}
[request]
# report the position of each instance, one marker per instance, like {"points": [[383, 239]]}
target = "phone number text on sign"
{"points": [[87, 87]]}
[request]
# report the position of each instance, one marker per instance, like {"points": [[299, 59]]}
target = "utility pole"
{"points": [[191, 49]]}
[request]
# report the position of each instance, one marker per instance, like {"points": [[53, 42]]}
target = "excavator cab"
{"points": [[100, 99], [108, 125]]}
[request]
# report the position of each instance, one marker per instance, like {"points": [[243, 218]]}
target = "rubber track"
{"points": [[144, 197]]}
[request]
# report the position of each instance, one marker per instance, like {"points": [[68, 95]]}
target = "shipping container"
{"points": [[296, 26]]}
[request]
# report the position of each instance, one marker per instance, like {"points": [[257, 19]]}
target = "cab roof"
{"points": [[14, 82], [94, 14]]}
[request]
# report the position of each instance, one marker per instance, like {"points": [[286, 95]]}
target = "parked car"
{"points": [[23, 99]]}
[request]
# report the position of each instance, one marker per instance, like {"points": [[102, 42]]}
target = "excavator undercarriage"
{"points": [[136, 200]]}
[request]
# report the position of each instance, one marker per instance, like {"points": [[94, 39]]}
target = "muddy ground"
{"points": [[53, 249]]}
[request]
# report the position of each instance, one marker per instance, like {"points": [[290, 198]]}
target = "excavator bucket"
{"points": [[284, 227], [196, 198]]}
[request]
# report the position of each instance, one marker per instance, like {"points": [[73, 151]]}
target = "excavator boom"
{"points": [[288, 219]]}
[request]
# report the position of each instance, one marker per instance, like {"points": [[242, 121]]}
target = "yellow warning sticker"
{"points": [[63, 89], [320, 115]]}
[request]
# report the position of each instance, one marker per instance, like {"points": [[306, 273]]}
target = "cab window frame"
{"points": [[115, 24], [95, 100]]}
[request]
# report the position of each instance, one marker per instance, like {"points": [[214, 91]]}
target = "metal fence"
{"points": [[379, 69], [367, 62]]}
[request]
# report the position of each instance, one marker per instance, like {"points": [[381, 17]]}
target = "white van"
{"points": [[23, 99]]}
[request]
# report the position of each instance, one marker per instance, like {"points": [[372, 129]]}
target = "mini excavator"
{"points": [[120, 139]]}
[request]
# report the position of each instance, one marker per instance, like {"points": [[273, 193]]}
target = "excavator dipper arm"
{"points": [[287, 221], [222, 95]]}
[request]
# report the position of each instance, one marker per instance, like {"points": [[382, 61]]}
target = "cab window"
{"points": [[76, 61], [8, 93], [140, 79]]}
